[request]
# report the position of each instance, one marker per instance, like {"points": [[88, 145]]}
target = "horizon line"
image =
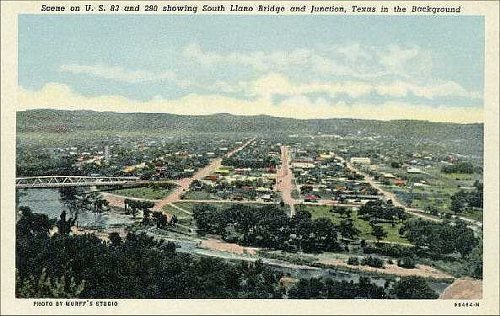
{"points": [[251, 115]]}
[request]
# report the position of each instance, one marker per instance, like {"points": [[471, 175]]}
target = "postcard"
{"points": [[240, 157]]}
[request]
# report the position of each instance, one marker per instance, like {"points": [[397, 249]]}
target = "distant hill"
{"points": [[43, 121], [62, 120]]}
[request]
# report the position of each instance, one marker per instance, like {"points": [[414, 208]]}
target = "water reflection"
{"points": [[48, 201]]}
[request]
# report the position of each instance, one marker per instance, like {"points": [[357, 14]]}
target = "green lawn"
{"points": [[441, 187], [143, 193], [199, 195], [184, 218], [318, 211], [189, 206]]}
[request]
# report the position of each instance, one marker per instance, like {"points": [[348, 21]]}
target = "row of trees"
{"points": [[462, 200], [406, 288], [459, 167], [440, 238], [270, 227], [380, 211]]}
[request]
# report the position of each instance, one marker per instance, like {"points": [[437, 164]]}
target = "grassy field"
{"points": [[143, 193], [199, 195], [189, 206], [183, 217], [318, 211], [441, 186]]}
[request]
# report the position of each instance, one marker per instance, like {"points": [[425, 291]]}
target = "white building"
{"points": [[361, 160]]}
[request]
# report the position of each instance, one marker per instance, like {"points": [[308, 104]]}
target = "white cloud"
{"points": [[121, 74], [60, 96], [279, 84], [353, 59]]}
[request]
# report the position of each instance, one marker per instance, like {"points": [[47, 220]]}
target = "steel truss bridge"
{"points": [[71, 181]]}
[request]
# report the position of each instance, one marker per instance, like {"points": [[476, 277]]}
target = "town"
{"points": [[355, 200]]}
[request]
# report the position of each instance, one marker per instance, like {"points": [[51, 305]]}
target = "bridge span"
{"points": [[72, 181]]}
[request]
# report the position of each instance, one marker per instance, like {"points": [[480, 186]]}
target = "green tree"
{"points": [[413, 288], [347, 229], [46, 287], [378, 232], [474, 262]]}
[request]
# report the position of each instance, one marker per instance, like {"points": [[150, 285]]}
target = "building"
{"points": [[106, 153], [303, 164], [361, 160], [414, 170]]}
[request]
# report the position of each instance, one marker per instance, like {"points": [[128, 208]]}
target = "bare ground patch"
{"points": [[464, 288], [214, 244], [394, 269]]}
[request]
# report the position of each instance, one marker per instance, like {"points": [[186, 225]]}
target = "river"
{"points": [[47, 201]]}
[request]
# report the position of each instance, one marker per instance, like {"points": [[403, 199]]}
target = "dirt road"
{"points": [[183, 184], [284, 179], [475, 225]]}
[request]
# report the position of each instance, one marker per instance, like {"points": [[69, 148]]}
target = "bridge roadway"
{"points": [[73, 181]]}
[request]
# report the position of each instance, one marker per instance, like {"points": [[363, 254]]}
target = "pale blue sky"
{"points": [[327, 60]]}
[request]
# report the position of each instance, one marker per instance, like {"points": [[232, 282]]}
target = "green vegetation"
{"points": [[360, 223], [372, 262], [190, 206], [353, 261], [413, 288], [268, 226], [315, 288], [462, 200], [199, 195], [139, 266], [440, 238], [183, 217], [149, 192], [460, 167], [406, 288], [135, 267], [407, 262]]}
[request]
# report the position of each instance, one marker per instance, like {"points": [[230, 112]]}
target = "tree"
{"points": [[145, 206], [463, 238], [325, 235], [347, 229], [413, 288], [395, 164], [407, 262], [115, 239], [378, 232], [46, 287], [474, 262], [134, 207], [32, 223], [458, 202], [126, 203], [63, 225], [161, 219], [174, 220]]}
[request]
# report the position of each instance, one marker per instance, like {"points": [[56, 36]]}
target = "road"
{"points": [[475, 225], [183, 184], [284, 179]]}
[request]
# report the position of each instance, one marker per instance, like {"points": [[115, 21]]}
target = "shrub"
{"points": [[353, 261], [406, 262], [389, 250], [372, 262]]}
